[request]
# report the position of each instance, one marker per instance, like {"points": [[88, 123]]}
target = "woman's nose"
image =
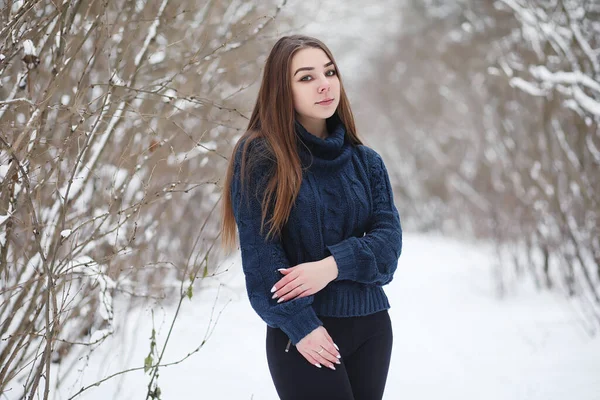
{"points": [[324, 86]]}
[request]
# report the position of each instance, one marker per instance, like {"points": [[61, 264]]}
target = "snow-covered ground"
{"points": [[453, 339]]}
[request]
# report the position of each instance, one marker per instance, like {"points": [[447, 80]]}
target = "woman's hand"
{"points": [[319, 349], [305, 279]]}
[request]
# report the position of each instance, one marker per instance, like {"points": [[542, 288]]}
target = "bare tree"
{"points": [[493, 112], [553, 61], [115, 123]]}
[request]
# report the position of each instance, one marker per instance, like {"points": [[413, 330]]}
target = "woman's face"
{"points": [[315, 85]]}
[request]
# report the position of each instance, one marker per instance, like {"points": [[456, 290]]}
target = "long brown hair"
{"points": [[273, 119]]}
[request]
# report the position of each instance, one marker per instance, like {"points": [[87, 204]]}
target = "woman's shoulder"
{"points": [[256, 147], [252, 141], [258, 164], [369, 156]]}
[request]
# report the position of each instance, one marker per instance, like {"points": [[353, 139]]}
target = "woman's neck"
{"points": [[316, 127]]}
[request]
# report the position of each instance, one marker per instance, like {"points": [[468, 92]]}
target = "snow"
{"points": [[3, 218], [527, 87], [506, 68], [86, 266], [140, 5], [586, 101], [541, 72], [152, 30], [169, 95], [29, 47], [118, 36], [117, 80], [16, 6], [592, 148], [157, 57], [65, 233], [3, 171], [564, 144], [199, 149], [99, 335], [453, 338], [584, 45]]}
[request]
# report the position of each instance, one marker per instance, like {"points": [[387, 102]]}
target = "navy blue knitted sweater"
{"points": [[345, 208]]}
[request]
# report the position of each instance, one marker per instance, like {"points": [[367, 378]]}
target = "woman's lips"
{"points": [[325, 102]]}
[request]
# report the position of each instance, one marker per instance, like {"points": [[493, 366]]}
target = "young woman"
{"points": [[318, 230]]}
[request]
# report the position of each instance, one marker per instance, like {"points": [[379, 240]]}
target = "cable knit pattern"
{"points": [[345, 208], [332, 211], [373, 258]]}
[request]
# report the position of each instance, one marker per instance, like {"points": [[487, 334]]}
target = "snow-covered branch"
{"points": [[102, 162], [542, 73]]}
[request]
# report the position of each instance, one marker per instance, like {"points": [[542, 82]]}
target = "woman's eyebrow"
{"points": [[311, 68]]}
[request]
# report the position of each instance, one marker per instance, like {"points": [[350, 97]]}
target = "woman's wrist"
{"points": [[332, 268]]}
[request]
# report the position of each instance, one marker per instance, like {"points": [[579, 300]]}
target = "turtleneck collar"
{"points": [[328, 153]]}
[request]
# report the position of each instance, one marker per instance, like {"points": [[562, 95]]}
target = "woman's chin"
{"points": [[324, 114]]}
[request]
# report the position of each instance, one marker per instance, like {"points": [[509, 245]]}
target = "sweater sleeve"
{"points": [[261, 258], [373, 258]]}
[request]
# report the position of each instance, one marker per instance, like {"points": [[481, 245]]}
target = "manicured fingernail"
{"points": [[339, 356], [281, 269], [274, 296], [332, 367], [336, 346], [280, 300], [273, 289], [318, 365], [338, 362]]}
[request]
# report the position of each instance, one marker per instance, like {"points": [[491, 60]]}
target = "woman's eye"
{"points": [[308, 78]]}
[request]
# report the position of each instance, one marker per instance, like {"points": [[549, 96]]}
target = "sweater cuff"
{"points": [[343, 253], [301, 324]]}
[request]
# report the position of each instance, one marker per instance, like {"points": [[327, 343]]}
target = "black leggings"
{"points": [[365, 345]]}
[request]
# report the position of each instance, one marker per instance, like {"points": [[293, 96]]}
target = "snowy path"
{"points": [[453, 339]]}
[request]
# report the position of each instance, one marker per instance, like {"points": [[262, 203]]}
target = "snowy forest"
{"points": [[117, 119]]}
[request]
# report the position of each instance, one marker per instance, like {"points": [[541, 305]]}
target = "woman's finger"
{"points": [[324, 358], [284, 281], [337, 353], [330, 352], [307, 292], [309, 358], [291, 286], [293, 294]]}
